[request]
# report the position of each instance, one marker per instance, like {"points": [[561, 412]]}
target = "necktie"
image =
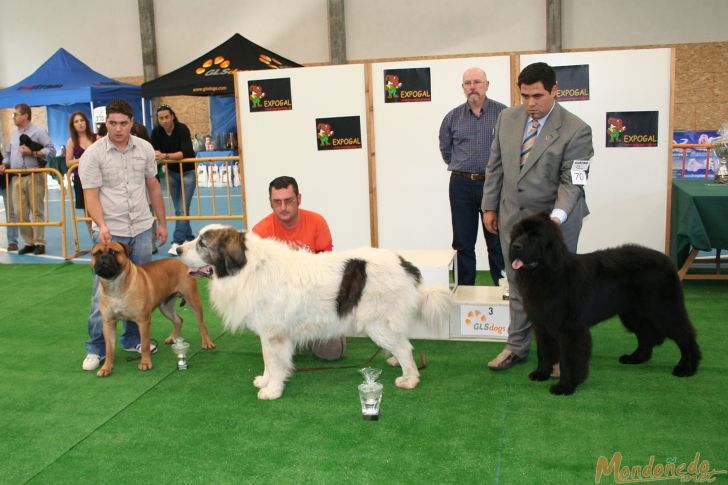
{"points": [[529, 140]]}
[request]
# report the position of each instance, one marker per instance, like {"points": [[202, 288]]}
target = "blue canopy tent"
{"points": [[64, 84]]}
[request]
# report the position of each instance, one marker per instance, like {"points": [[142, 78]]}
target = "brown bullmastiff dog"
{"points": [[131, 292]]}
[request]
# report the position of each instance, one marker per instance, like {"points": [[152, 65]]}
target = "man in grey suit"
{"points": [[530, 171]]}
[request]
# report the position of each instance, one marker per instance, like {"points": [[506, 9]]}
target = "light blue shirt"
{"points": [[14, 159], [541, 123]]}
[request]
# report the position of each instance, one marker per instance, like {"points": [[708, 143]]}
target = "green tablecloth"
{"points": [[698, 219]]}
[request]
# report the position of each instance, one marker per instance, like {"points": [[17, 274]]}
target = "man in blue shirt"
{"points": [[466, 134]]}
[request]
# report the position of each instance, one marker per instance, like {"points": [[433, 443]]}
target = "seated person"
{"points": [[301, 229]]}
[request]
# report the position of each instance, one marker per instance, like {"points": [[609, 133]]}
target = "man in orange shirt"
{"points": [[301, 229]]}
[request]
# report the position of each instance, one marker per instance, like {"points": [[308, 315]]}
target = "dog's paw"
{"points": [[392, 361], [169, 340], [683, 370], [406, 382], [537, 375], [562, 390], [104, 371], [260, 382], [145, 366], [207, 344], [270, 393], [631, 359]]}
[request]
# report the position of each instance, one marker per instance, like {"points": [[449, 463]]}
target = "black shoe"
{"points": [[12, 247], [39, 249], [28, 248]]}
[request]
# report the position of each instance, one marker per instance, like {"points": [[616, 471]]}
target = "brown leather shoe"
{"points": [[505, 360], [12, 247]]}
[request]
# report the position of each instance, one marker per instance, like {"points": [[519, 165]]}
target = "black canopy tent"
{"points": [[210, 74]]}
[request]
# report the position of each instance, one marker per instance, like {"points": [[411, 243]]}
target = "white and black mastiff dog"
{"points": [[291, 297], [564, 294]]}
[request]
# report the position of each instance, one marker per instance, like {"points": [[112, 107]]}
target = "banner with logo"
{"points": [[572, 82], [407, 85], [691, 163], [489, 321], [269, 95], [631, 129], [343, 132]]}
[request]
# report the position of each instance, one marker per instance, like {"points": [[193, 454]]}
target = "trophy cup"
{"points": [[720, 148], [180, 348], [370, 394]]}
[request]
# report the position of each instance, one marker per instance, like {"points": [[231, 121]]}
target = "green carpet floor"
{"points": [[464, 424]]}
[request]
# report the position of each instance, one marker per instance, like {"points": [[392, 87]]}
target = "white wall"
{"points": [[643, 22], [412, 179], [378, 29], [105, 33], [102, 33], [334, 183], [186, 29]]}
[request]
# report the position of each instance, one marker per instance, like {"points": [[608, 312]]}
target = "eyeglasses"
{"points": [[476, 82], [164, 107]]}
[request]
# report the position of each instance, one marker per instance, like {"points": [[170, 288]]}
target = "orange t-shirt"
{"points": [[311, 232]]}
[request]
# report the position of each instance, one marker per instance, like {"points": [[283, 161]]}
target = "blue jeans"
{"points": [[141, 252], [466, 197], [182, 229], [12, 231]]}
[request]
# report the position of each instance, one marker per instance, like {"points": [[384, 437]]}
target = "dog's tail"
{"points": [[436, 303]]}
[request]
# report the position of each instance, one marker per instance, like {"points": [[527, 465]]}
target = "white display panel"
{"points": [[627, 187], [412, 179], [334, 183]]}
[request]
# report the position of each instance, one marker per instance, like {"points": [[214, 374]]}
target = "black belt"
{"points": [[19, 174], [470, 176]]}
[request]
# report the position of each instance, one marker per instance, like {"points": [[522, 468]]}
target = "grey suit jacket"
{"points": [[544, 182]]}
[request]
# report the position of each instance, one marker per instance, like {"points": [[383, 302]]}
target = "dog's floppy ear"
{"points": [[127, 249], [232, 253]]}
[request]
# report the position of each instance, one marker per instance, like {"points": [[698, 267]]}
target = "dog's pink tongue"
{"points": [[517, 264], [201, 272]]}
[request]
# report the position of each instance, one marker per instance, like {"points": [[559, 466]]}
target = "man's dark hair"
{"points": [[166, 107], [281, 183], [539, 71], [119, 106], [24, 109]]}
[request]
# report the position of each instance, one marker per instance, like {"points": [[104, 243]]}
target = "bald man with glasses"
{"points": [[466, 134]]}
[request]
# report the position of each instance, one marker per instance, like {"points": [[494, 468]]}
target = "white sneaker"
{"points": [[173, 249], [138, 348], [91, 362]]}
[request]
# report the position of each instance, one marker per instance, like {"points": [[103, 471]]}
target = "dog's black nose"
{"points": [[179, 250], [516, 246]]}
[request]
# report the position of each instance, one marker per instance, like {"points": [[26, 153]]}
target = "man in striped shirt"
{"points": [[466, 134]]}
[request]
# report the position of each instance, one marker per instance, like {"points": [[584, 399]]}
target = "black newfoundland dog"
{"points": [[564, 294]]}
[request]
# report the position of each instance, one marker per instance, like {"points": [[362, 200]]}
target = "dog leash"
{"points": [[423, 364]]}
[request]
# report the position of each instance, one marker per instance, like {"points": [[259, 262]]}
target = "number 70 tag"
{"points": [[578, 172]]}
